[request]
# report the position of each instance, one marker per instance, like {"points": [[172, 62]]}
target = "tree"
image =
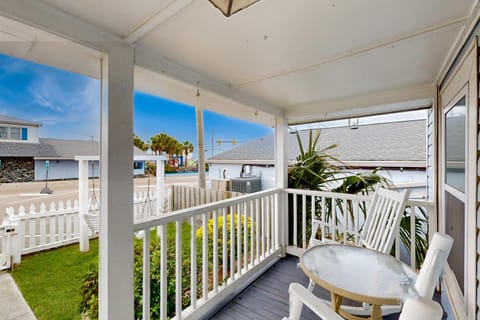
{"points": [[139, 143], [187, 147], [163, 143]]}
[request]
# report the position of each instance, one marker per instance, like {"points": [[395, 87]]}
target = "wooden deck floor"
{"points": [[267, 297]]}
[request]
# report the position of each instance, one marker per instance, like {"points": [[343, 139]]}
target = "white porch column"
{"points": [[201, 148], [160, 172], [116, 185], [83, 203], [281, 181]]}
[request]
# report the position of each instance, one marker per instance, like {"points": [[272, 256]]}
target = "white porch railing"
{"points": [[211, 265], [342, 217]]}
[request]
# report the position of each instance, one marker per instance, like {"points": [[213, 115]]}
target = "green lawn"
{"points": [[50, 281]]}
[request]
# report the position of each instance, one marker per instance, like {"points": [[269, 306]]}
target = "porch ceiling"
{"points": [[304, 59]]}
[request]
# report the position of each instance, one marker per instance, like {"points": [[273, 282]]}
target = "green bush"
{"points": [[89, 290]]}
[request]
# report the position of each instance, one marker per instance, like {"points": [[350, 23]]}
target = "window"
{"points": [[455, 146], [3, 132], [15, 133]]}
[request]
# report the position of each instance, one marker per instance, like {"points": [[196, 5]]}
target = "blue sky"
{"points": [[67, 105]]}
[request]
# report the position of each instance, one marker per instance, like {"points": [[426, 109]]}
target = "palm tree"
{"points": [[187, 148], [139, 143]]}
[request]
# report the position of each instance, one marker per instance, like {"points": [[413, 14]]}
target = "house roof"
{"points": [[388, 143], [53, 149], [22, 149], [16, 121]]}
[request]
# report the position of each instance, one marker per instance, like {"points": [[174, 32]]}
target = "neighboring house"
{"points": [[397, 147], [24, 156]]}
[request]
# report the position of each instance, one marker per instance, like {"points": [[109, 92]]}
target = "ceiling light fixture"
{"points": [[229, 7]]}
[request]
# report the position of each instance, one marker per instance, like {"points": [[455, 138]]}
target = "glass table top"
{"points": [[360, 271]]}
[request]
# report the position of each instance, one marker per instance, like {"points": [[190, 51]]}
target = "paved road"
{"points": [[28, 193]]}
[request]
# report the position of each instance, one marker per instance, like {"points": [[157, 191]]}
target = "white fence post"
{"points": [[83, 203]]}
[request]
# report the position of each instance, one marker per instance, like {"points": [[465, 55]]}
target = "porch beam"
{"points": [[116, 185], [363, 105], [149, 23], [457, 46]]}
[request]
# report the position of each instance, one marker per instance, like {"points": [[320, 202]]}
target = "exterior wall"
{"points": [[16, 170], [61, 169], [430, 155], [233, 171], [415, 178], [68, 169], [32, 133]]}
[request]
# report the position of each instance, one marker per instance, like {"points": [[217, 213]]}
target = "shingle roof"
{"points": [[53, 148], [395, 141], [19, 149], [11, 120]]}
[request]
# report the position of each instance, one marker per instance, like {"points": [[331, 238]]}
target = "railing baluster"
{"points": [[239, 240], [245, 235], [333, 219], [268, 213], [304, 221], [313, 207], [205, 256], [413, 211], [193, 262], [215, 251], [252, 232], [295, 227], [263, 206], [163, 272], [178, 269], [356, 209], [232, 243], [146, 275], [324, 207], [257, 228], [345, 221], [224, 244]]}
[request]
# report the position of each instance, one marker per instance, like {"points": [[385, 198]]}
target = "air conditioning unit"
{"points": [[247, 184]]}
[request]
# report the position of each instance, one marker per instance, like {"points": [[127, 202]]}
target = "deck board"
{"points": [[267, 297]]}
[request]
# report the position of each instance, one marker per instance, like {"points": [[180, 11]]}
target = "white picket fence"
{"points": [[183, 197], [31, 229]]}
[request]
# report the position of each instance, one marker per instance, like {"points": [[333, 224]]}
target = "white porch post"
{"points": [[160, 172], [201, 148], [281, 181], [116, 176], [83, 203]]}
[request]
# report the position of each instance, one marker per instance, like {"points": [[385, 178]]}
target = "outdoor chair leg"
{"points": [[311, 285]]}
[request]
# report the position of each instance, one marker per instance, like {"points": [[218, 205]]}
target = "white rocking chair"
{"points": [[381, 225]]}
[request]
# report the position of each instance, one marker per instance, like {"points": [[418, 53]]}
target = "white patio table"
{"points": [[359, 274]]}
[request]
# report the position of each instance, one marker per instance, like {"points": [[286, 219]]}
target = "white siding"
{"points": [[430, 154], [61, 169]]}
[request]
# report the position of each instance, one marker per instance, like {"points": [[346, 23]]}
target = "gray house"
{"points": [[399, 148], [25, 157]]}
